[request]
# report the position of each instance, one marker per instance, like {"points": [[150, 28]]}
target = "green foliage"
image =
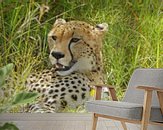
{"points": [[4, 72], [20, 98], [8, 126], [24, 98], [133, 40]]}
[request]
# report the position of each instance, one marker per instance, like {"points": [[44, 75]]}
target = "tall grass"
{"points": [[133, 39]]}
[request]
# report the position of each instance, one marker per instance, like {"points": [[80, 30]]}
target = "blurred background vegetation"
{"points": [[134, 38]]}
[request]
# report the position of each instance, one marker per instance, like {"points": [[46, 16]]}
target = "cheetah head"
{"points": [[75, 46]]}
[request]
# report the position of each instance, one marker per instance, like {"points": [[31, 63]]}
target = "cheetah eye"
{"points": [[74, 40], [54, 38]]}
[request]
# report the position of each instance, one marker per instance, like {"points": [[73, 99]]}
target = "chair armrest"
{"points": [[150, 88], [110, 88]]}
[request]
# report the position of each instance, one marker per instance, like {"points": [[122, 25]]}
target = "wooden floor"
{"points": [[58, 121]]}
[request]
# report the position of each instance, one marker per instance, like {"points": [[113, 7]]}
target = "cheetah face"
{"points": [[74, 46]]}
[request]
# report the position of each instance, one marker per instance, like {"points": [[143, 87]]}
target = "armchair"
{"points": [[138, 107]]}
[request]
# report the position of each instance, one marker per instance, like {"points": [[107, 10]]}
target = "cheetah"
{"points": [[75, 55]]}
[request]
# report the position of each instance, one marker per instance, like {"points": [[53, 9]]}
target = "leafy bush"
{"points": [[20, 98], [8, 126], [17, 99]]}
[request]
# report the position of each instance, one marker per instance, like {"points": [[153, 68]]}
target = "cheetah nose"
{"points": [[57, 55]]}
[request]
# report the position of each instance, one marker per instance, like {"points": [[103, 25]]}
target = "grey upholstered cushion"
{"points": [[122, 109]]}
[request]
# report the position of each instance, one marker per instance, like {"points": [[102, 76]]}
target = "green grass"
{"points": [[132, 41]]}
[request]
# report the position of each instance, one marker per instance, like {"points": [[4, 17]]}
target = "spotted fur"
{"points": [[75, 53]]}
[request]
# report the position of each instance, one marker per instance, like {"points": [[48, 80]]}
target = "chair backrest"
{"points": [[143, 77]]}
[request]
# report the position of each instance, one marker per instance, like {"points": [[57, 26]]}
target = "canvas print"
{"points": [[61, 56]]}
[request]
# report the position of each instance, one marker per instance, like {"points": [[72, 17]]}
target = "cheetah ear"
{"points": [[103, 27], [59, 21]]}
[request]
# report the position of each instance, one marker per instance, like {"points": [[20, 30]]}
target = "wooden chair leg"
{"points": [[160, 98], [112, 93], [146, 109], [124, 125], [94, 124], [98, 93]]}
